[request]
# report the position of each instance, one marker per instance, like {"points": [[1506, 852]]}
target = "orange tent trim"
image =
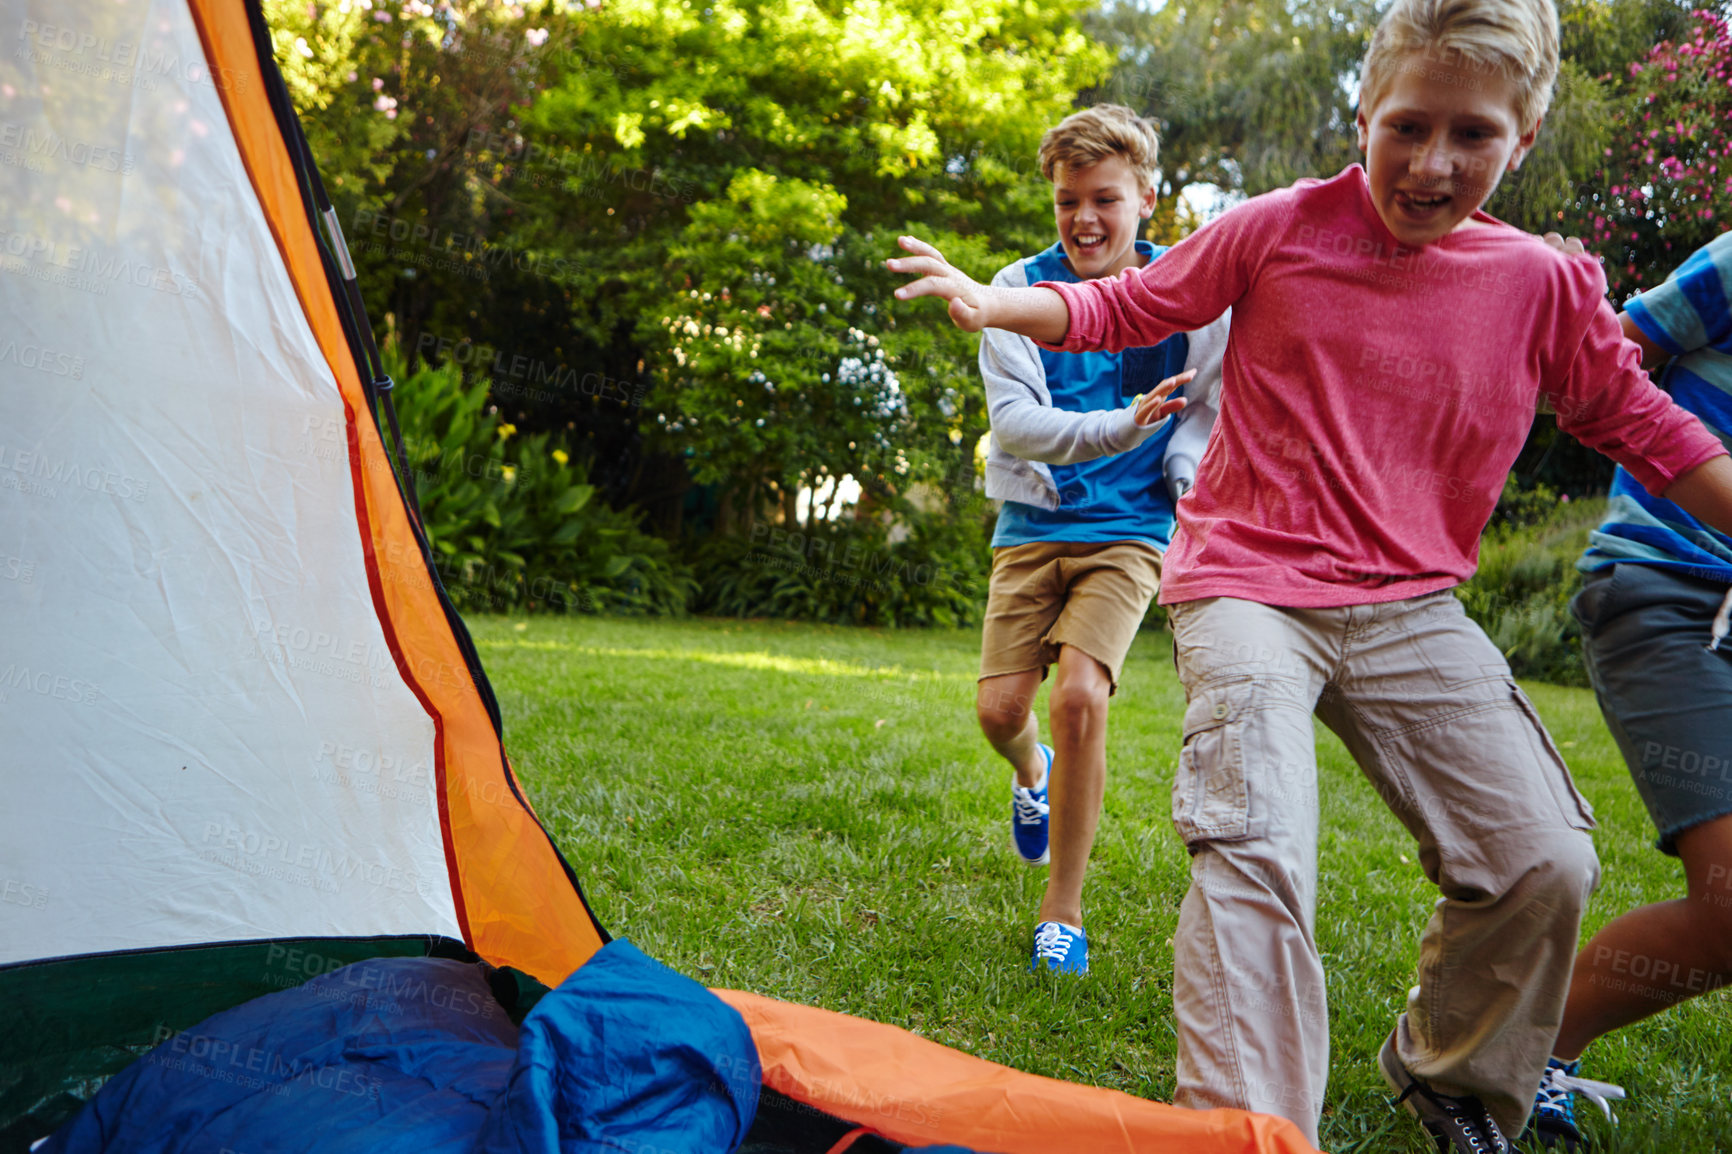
{"points": [[918, 1092], [515, 903]]}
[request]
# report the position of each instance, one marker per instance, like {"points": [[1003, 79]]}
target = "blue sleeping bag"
{"points": [[414, 1056]]}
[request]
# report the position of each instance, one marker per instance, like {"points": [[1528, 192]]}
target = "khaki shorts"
{"points": [[1049, 594]]}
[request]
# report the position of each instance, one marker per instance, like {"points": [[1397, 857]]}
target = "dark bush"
{"points": [[850, 572], [513, 521]]}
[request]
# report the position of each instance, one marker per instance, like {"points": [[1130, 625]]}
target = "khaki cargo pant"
{"points": [[1428, 708]]}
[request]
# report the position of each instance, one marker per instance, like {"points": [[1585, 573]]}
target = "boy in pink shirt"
{"points": [[1388, 345]]}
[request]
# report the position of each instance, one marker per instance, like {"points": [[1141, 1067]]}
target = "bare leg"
{"points": [[1078, 712], [1004, 706], [1657, 955]]}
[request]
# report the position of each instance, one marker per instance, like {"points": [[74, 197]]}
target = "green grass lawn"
{"points": [[810, 812]]}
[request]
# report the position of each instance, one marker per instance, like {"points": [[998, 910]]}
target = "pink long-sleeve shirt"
{"points": [[1375, 396]]}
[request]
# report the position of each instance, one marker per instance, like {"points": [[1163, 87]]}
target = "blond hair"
{"points": [[1090, 136], [1515, 38]]}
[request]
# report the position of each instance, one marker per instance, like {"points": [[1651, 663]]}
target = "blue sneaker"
{"points": [[1553, 1124], [1028, 815], [1061, 948]]}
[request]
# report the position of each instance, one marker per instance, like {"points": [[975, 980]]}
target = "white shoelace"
{"points": [[1052, 941], [1030, 810], [1557, 1087]]}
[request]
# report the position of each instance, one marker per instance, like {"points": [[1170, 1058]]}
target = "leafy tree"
{"points": [[1564, 176], [396, 96], [1250, 95], [738, 170], [646, 194]]}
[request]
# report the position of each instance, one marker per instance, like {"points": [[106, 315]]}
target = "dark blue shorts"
{"points": [[1667, 698]]}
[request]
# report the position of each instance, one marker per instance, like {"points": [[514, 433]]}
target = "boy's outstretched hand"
{"points": [[967, 296], [1153, 407], [1034, 312]]}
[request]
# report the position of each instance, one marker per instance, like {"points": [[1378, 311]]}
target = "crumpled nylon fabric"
{"points": [[415, 1056]]}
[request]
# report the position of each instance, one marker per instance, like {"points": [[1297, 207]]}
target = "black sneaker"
{"points": [[1553, 1124], [1458, 1125]]}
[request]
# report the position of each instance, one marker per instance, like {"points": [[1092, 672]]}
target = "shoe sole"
{"points": [[1392, 1078], [1556, 1140]]}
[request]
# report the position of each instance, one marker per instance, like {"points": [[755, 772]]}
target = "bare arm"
{"points": [[1705, 493], [1034, 312], [1652, 354]]}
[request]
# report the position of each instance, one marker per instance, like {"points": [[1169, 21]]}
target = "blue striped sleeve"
{"points": [[1689, 311]]}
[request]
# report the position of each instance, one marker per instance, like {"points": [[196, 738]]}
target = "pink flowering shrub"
{"points": [[1666, 187]]}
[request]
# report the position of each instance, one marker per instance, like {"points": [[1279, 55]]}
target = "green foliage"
{"points": [[742, 388], [777, 369], [1536, 197], [513, 522], [396, 96], [850, 573], [696, 198], [914, 110], [1527, 574], [746, 169], [1602, 37]]}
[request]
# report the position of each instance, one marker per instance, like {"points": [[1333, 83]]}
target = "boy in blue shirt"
{"points": [[1089, 484]]}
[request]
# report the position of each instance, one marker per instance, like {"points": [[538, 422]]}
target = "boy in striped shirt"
{"points": [[1654, 613]]}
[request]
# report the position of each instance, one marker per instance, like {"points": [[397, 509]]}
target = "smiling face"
{"points": [[1096, 208], [1437, 141]]}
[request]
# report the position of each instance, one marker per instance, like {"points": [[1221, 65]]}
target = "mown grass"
{"points": [[809, 812]]}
